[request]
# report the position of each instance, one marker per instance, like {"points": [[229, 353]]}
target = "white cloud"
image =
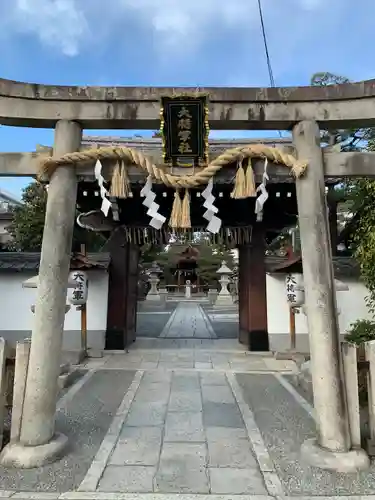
{"points": [[70, 25], [60, 24]]}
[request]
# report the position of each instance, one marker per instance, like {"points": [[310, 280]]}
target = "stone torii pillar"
{"points": [[39, 444], [332, 449]]}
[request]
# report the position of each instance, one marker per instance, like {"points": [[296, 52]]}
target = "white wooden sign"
{"points": [[78, 295]]}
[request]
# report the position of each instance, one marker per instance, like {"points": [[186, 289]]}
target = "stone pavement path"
{"points": [[183, 432], [188, 321], [184, 419]]}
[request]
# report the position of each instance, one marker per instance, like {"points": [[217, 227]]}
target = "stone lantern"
{"points": [[154, 272], [224, 297]]}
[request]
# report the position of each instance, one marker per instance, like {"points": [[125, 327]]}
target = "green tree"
{"points": [[26, 228], [359, 194], [208, 261], [343, 139]]}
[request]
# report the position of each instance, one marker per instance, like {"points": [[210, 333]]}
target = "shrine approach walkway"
{"points": [[188, 321], [184, 419]]}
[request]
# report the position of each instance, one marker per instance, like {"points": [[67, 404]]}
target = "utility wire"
{"points": [[268, 59]]}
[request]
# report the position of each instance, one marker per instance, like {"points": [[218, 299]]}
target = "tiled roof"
{"points": [[29, 261], [344, 267]]}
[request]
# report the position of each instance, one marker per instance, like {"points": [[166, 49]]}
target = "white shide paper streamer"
{"points": [[214, 222], [263, 197], [157, 220], [106, 204]]}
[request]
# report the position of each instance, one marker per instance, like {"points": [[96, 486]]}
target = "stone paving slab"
{"points": [[184, 427], [182, 469], [191, 360], [99, 495], [181, 445], [133, 478], [137, 446], [284, 424], [188, 321], [235, 481]]}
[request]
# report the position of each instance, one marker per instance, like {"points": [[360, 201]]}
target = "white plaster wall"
{"points": [[16, 317], [351, 304]]}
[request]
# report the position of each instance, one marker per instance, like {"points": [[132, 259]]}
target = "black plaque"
{"points": [[184, 129]]}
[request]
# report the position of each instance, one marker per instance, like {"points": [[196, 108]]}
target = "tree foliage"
{"points": [[362, 197], [208, 261], [343, 139], [26, 228], [359, 193]]}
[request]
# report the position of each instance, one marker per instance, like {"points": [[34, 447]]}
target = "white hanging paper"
{"points": [[149, 199], [263, 197], [147, 187], [214, 225], [153, 210], [210, 207], [106, 204], [208, 189], [157, 220], [208, 214], [214, 222]]}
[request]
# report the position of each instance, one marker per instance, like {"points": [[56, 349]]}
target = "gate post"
{"points": [[332, 449], [122, 291], [253, 325], [38, 442]]}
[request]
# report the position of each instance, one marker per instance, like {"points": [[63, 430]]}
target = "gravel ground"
{"points": [[85, 421], [284, 426]]}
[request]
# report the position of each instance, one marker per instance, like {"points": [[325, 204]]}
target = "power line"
{"points": [[268, 59]]}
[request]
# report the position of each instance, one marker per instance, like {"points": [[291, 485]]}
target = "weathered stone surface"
{"points": [[186, 426], [138, 108], [326, 369], [146, 414], [39, 408], [130, 479], [234, 453], [236, 481], [182, 468], [185, 401], [137, 446], [222, 415]]}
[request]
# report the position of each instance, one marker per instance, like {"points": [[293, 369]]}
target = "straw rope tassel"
{"points": [[185, 222], [125, 180], [175, 218], [250, 189], [239, 183], [120, 187], [116, 190]]}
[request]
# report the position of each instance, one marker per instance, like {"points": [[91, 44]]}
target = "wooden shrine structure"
{"points": [[236, 212]]}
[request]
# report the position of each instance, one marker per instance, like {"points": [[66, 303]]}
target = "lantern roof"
{"points": [[224, 269]]}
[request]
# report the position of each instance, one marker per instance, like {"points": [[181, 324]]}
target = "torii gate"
{"points": [[303, 110]]}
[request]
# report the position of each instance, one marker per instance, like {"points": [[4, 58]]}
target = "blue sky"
{"points": [[177, 42]]}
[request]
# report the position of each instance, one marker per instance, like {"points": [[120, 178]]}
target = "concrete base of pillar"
{"points": [[351, 461], [29, 457]]}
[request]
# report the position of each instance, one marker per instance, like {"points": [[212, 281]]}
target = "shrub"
{"points": [[362, 330]]}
